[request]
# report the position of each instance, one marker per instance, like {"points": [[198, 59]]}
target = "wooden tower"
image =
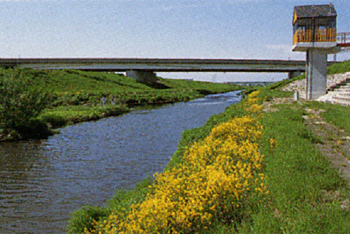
{"points": [[315, 32]]}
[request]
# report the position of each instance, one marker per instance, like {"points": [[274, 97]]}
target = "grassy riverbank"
{"points": [[77, 96], [252, 169]]}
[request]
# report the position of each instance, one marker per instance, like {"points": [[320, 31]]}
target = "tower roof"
{"points": [[310, 11]]}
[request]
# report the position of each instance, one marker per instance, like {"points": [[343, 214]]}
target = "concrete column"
{"points": [[293, 74], [316, 73], [142, 76]]}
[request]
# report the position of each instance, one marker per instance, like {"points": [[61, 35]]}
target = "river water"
{"points": [[42, 182]]}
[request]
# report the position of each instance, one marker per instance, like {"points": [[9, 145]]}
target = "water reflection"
{"points": [[41, 182]]}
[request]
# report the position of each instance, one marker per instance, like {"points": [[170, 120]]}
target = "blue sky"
{"points": [[233, 29]]}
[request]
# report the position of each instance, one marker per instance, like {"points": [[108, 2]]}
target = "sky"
{"points": [[213, 29]]}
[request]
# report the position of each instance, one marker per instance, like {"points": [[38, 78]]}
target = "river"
{"points": [[43, 181]]}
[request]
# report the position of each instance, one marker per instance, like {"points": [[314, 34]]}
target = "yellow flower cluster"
{"points": [[59, 94], [214, 179]]}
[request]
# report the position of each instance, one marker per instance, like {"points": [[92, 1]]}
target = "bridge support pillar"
{"points": [[142, 76], [316, 73], [293, 74]]}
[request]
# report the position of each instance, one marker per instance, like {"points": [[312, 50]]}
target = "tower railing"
{"points": [[320, 35]]}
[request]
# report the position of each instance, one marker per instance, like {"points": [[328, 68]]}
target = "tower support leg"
{"points": [[316, 73]]}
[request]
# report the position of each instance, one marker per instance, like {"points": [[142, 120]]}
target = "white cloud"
{"points": [[284, 51], [282, 47]]}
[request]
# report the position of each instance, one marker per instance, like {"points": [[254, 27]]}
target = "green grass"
{"points": [[82, 83], [200, 86], [341, 67], [300, 181], [64, 115], [335, 114]]}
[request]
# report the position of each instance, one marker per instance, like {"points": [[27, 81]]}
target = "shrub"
{"points": [[21, 102], [56, 121], [84, 218]]}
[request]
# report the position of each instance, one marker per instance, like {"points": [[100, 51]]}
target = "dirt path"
{"points": [[335, 143]]}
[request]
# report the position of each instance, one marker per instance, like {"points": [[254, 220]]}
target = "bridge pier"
{"points": [[293, 74], [142, 76]]}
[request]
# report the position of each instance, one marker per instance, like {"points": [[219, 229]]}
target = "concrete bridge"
{"points": [[144, 69]]}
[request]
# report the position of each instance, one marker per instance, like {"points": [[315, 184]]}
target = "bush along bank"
{"points": [[22, 99], [243, 172]]}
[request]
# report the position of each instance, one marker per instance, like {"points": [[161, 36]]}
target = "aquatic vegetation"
{"points": [[212, 184]]}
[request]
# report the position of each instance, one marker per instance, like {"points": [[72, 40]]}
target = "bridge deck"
{"points": [[158, 65]]}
